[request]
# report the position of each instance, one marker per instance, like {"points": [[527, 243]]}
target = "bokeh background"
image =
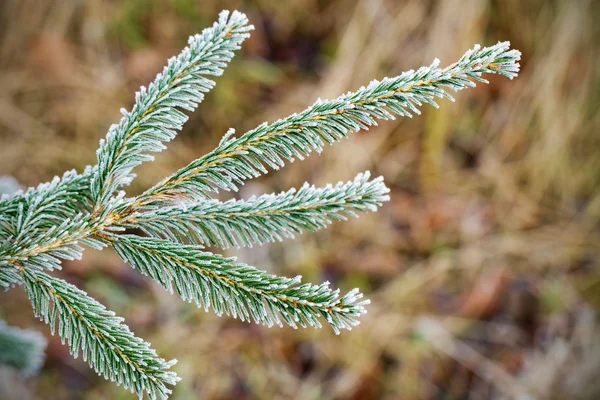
{"points": [[483, 269]]}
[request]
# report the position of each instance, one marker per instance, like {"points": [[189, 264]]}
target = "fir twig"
{"points": [[237, 159], [22, 349], [42, 226], [238, 289], [31, 222], [104, 341], [266, 218], [155, 117]]}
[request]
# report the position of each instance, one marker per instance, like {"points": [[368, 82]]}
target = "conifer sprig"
{"points": [[104, 341], [42, 208], [236, 289], [9, 276], [36, 226], [60, 241], [54, 200], [42, 226], [266, 218], [50, 209], [155, 117], [327, 121], [22, 349]]}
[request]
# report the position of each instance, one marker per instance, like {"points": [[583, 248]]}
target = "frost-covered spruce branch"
{"points": [[35, 223], [105, 342], [46, 224], [44, 249], [50, 223], [54, 200], [43, 207], [265, 218], [22, 349], [47, 210], [236, 289], [236, 159], [155, 117]]}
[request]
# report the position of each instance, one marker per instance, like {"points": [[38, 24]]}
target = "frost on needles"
{"points": [[53, 222]]}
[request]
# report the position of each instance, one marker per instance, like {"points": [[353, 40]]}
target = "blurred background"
{"points": [[483, 269]]}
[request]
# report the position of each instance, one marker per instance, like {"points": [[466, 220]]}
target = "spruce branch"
{"points": [[22, 349], [236, 289], [9, 276], [36, 225], [42, 226], [47, 203], [43, 249], [155, 117], [237, 159], [104, 341], [49, 211], [40, 209], [266, 218]]}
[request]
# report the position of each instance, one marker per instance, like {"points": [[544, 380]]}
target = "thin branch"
{"points": [[266, 218], [237, 289], [155, 117], [235, 160], [105, 342]]}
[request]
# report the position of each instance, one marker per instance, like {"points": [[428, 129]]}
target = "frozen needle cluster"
{"points": [[53, 222]]}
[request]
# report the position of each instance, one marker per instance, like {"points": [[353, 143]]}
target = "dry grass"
{"points": [[483, 270]]}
